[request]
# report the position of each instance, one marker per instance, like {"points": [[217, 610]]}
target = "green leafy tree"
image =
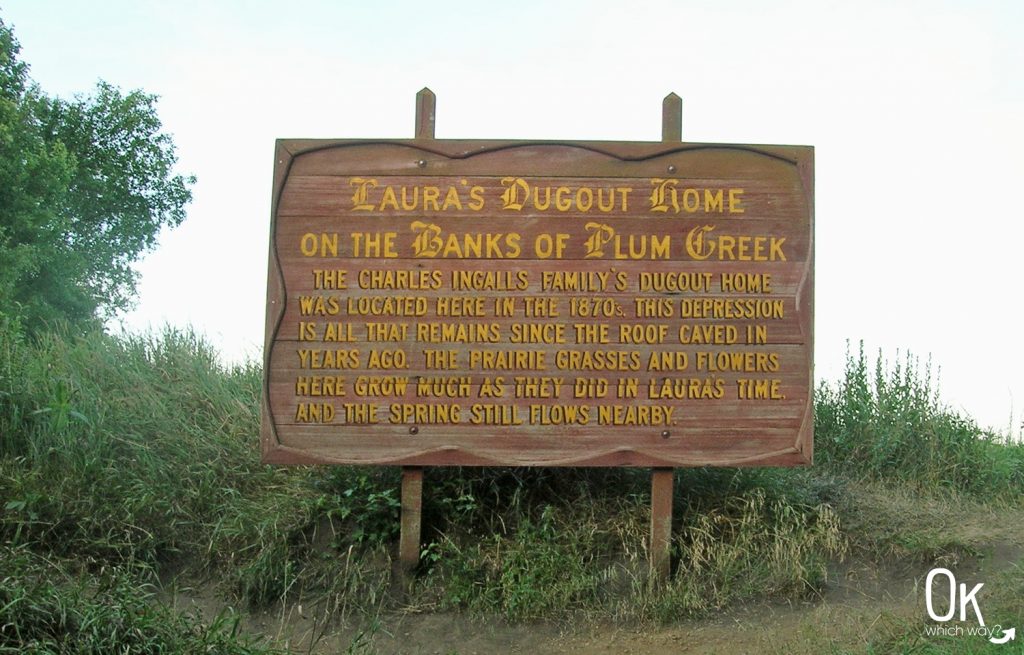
{"points": [[34, 176], [86, 185]]}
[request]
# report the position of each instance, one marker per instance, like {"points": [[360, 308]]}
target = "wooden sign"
{"points": [[514, 303]]}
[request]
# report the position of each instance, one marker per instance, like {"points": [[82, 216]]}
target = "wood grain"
{"points": [[315, 183]]}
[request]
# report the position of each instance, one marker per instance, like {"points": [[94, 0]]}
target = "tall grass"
{"points": [[46, 607], [552, 544], [123, 448], [145, 449], [890, 424], [140, 455]]}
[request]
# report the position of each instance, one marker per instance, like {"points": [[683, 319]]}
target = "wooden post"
{"points": [[425, 108], [661, 523], [412, 505], [412, 476], [662, 479], [672, 118]]}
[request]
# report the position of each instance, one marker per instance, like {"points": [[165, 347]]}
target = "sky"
{"points": [[914, 110]]}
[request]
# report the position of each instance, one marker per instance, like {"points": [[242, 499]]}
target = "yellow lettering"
{"points": [[380, 385], [667, 197], [712, 388], [643, 415], [329, 279], [316, 358], [537, 387], [360, 198], [443, 387], [339, 332], [451, 199], [745, 362], [746, 282], [563, 199], [486, 414], [559, 414], [319, 385], [597, 360], [507, 360], [424, 414], [318, 305], [326, 244], [388, 200], [548, 333], [374, 244], [492, 387], [387, 359], [748, 389], [476, 198], [736, 201], [314, 413], [431, 195], [707, 334], [643, 333], [386, 306], [360, 413], [713, 200]]}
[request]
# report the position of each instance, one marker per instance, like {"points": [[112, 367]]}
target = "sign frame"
{"points": [[666, 447]]}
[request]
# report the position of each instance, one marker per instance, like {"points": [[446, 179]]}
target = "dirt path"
{"points": [[861, 599]]}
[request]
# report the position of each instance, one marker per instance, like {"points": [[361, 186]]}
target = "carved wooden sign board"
{"points": [[512, 303]]}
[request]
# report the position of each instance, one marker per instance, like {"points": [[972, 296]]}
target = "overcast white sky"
{"points": [[914, 108]]}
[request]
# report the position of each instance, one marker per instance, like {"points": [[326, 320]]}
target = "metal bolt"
{"points": [[422, 163], [671, 168], [414, 430], [665, 434]]}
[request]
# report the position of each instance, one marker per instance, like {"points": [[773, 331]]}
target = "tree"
{"points": [[34, 176], [86, 185]]}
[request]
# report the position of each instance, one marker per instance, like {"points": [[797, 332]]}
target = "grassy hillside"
{"points": [[126, 463]]}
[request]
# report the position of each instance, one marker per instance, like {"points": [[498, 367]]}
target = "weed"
{"points": [[47, 607], [892, 426]]}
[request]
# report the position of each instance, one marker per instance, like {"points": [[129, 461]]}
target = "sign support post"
{"points": [[661, 523], [662, 479], [412, 476], [412, 504]]}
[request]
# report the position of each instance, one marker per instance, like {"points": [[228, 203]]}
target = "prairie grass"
{"points": [[52, 607], [124, 459], [890, 424], [123, 449], [737, 535]]}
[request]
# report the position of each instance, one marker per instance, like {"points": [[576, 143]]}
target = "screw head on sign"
{"points": [[422, 163], [414, 430], [665, 434], [671, 168]]}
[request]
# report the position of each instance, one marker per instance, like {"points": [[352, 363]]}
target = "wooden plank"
{"points": [[538, 158], [767, 190], [534, 276], [750, 242], [396, 445]]}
